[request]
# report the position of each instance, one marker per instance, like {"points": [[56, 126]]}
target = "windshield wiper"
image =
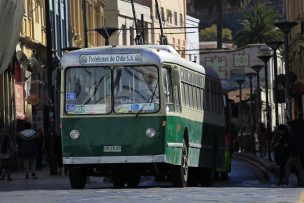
{"points": [[148, 100]]}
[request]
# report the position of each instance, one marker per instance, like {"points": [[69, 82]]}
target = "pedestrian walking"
{"points": [[28, 143], [295, 145], [262, 138], [7, 150], [280, 147]]}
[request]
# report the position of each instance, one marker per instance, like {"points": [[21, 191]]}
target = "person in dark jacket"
{"points": [[280, 147], [28, 143], [295, 146], [262, 138], [6, 153]]}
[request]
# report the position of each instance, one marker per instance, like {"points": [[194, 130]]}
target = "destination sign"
{"points": [[110, 58]]}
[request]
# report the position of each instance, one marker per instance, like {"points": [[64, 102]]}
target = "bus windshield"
{"points": [[88, 90], [136, 89]]}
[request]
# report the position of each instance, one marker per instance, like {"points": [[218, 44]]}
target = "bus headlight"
{"points": [[150, 132], [74, 134]]}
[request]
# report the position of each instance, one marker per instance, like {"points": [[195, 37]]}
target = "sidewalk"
{"points": [[44, 181], [269, 168]]}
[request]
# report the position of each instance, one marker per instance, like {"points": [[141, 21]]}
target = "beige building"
{"points": [[119, 15], [31, 71], [173, 15], [295, 13], [95, 19], [31, 74], [233, 64]]}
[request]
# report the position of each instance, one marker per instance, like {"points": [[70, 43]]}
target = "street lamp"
{"points": [[240, 81], [252, 120], [257, 69], [285, 27], [265, 59], [274, 45]]}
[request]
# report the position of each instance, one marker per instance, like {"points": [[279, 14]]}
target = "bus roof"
{"points": [[140, 54]]}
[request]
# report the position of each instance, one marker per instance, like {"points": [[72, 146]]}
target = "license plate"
{"points": [[112, 148]]}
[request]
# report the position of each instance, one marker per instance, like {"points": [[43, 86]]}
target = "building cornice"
{"points": [[101, 3]]}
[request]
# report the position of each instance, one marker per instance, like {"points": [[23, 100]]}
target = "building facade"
{"points": [[31, 70], [295, 13], [193, 44], [173, 19], [93, 14], [119, 14], [233, 64]]}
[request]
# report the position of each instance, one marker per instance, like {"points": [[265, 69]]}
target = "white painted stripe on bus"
{"points": [[114, 159], [175, 144], [193, 145], [199, 146]]}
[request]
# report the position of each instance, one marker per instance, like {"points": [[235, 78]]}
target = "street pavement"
{"points": [[246, 183], [267, 169]]}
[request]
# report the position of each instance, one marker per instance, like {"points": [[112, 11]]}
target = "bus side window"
{"points": [[168, 89], [176, 89], [207, 91]]}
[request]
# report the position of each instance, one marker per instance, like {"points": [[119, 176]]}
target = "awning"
{"points": [[11, 15]]}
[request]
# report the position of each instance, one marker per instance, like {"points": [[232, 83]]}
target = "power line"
{"points": [[152, 28], [170, 33]]}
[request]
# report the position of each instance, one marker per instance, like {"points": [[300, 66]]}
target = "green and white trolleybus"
{"points": [[140, 110]]}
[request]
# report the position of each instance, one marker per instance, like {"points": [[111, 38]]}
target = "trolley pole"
{"points": [[84, 8], [138, 38]]}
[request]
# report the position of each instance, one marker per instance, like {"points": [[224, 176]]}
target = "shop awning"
{"points": [[11, 15]]}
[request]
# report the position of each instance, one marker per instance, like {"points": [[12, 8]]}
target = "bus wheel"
{"points": [[160, 178], [78, 178], [133, 181], [217, 175], [179, 176], [224, 176], [193, 179], [118, 181], [207, 177]]}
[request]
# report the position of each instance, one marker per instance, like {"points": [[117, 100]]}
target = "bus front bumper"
{"points": [[114, 159]]}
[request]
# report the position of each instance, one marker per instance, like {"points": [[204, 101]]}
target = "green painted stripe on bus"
{"points": [[213, 134], [126, 132], [129, 133]]}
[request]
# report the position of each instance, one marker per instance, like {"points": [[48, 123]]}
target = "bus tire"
{"points": [[160, 178], [217, 175], [224, 176], [133, 181], [193, 179], [179, 174], [77, 177], [207, 177], [118, 181]]}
